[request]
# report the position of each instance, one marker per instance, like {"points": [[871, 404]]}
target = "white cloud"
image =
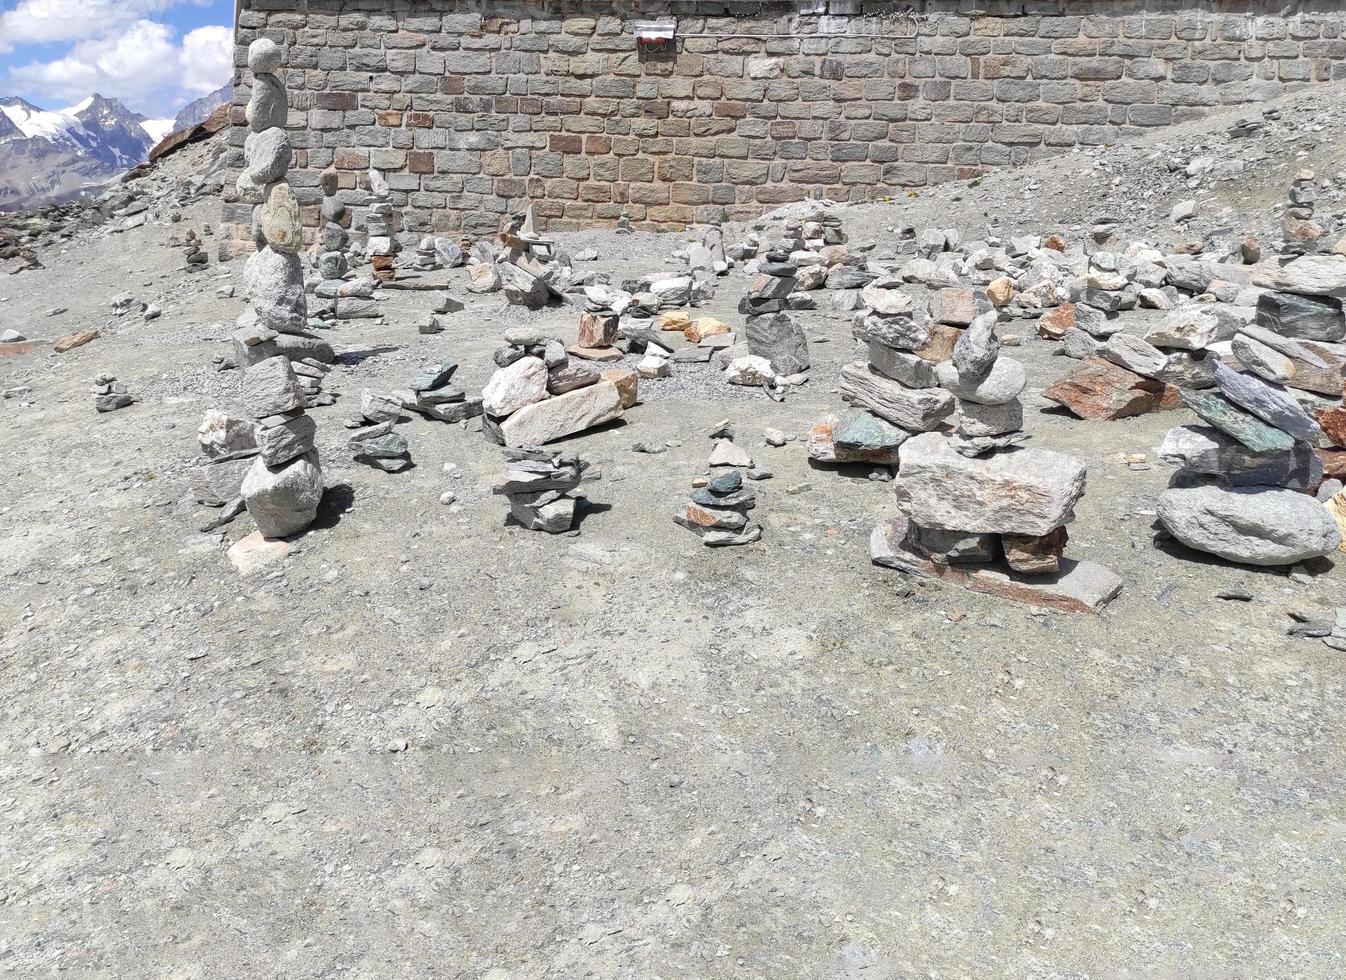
{"points": [[140, 63], [132, 63], [207, 59], [49, 21]]}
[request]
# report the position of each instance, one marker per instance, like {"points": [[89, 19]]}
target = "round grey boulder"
{"points": [[268, 154], [1250, 525], [264, 56], [283, 500], [276, 288], [1001, 384]]}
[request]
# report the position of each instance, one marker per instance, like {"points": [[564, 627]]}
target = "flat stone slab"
{"points": [[563, 415], [1080, 586], [254, 553]]}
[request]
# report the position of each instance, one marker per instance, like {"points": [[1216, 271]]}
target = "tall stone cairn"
{"points": [[274, 276], [283, 488]]}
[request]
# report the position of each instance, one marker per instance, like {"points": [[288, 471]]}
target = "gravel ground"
{"points": [[428, 744]]}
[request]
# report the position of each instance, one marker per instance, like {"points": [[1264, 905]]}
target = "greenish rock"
{"points": [[726, 483], [863, 432], [1234, 421], [434, 376]]}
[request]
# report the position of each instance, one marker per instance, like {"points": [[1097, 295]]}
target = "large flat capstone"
{"points": [[1021, 491]]}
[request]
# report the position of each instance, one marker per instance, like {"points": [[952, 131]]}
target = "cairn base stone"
{"points": [[1079, 586], [284, 500], [1250, 525]]}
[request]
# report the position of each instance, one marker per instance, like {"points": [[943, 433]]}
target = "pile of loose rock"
{"points": [[540, 485], [718, 511], [683, 339], [539, 394]]}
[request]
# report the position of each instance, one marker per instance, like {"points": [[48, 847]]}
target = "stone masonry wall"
{"points": [[472, 109]]}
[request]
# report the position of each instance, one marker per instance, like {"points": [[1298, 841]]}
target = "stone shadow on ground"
{"points": [[850, 471], [1176, 549], [351, 358], [337, 500]]}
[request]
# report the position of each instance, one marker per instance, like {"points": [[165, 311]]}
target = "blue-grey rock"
{"points": [[1269, 403]]}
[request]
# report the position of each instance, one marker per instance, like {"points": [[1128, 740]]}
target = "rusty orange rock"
{"points": [[74, 340], [941, 343], [1333, 421], [1101, 391], [1053, 325], [1035, 555], [627, 382], [1000, 291]]}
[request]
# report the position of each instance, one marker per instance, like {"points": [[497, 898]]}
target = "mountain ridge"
{"points": [[50, 155]]}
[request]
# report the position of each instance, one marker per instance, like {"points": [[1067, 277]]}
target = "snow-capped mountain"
{"points": [[53, 154]]}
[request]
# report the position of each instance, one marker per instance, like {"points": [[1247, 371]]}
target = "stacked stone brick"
{"points": [[472, 111], [332, 262]]}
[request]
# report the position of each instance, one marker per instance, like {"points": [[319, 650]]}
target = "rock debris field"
{"points": [[694, 604]]}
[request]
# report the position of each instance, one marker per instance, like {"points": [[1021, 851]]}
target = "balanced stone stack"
{"points": [[278, 313], [897, 381], [530, 269], [380, 244], [380, 447], [1301, 232], [284, 487], [274, 275], [993, 524], [427, 258], [600, 324], [1243, 490], [856, 437], [718, 511], [539, 394], [332, 261], [433, 395], [109, 394], [774, 283], [540, 488]]}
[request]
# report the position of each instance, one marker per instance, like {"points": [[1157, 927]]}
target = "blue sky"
{"points": [[153, 55]]}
